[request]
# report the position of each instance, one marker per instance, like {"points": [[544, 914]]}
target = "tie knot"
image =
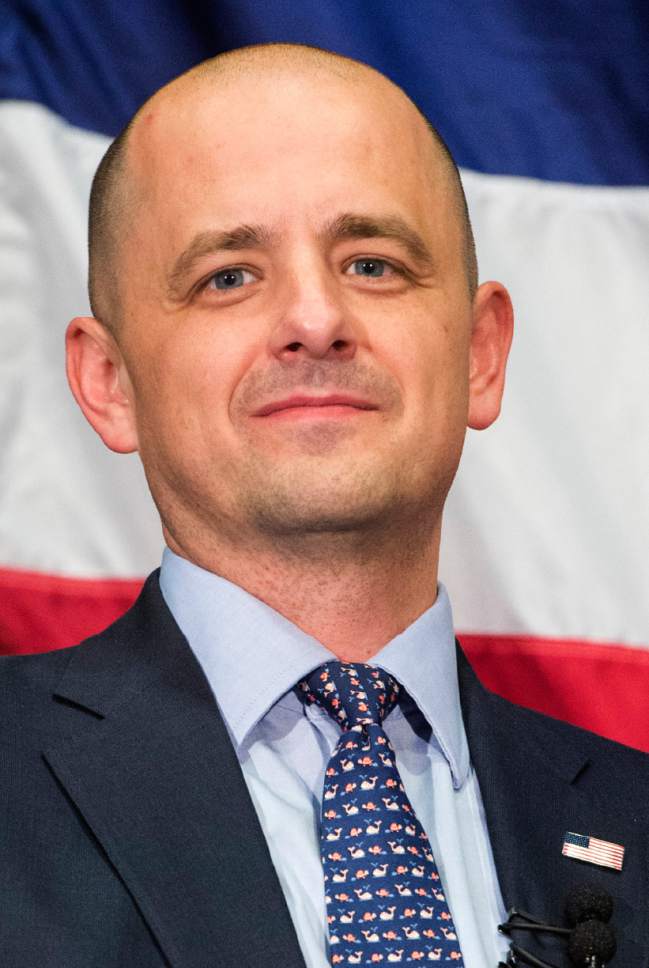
{"points": [[353, 693]]}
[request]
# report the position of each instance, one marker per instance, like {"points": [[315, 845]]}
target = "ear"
{"points": [[100, 383], [491, 337]]}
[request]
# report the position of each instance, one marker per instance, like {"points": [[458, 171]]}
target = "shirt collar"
{"points": [[252, 655], [423, 659]]}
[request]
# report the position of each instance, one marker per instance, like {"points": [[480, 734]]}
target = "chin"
{"points": [[286, 511], [317, 497], [316, 523]]}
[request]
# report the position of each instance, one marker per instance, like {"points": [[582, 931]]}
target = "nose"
{"points": [[313, 322]]}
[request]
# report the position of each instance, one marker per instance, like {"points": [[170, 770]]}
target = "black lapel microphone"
{"points": [[591, 939]]}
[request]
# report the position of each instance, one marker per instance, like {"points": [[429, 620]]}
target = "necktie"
{"points": [[385, 902]]}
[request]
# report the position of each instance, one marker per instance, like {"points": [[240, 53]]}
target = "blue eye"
{"points": [[371, 268], [231, 278]]}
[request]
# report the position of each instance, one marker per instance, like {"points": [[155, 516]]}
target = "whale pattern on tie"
{"points": [[385, 901]]}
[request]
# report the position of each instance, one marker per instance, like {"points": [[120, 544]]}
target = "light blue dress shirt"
{"points": [[252, 657]]}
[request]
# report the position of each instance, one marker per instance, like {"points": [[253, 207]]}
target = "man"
{"points": [[289, 330]]}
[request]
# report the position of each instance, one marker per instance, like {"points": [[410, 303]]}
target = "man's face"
{"points": [[294, 241]]}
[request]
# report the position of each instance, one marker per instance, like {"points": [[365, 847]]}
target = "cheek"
{"points": [[183, 388], [427, 350]]}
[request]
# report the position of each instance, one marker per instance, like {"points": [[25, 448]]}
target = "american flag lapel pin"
{"points": [[593, 851]]}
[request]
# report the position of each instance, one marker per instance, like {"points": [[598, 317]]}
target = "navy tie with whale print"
{"points": [[385, 902]]}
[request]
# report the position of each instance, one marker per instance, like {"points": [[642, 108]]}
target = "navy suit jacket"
{"points": [[128, 838]]}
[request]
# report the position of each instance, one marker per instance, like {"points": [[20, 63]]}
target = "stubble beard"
{"points": [[311, 507], [309, 510]]}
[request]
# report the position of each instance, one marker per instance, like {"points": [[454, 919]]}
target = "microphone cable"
{"points": [[591, 939]]}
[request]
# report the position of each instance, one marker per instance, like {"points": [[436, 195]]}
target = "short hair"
{"points": [[110, 202], [106, 210], [462, 206]]}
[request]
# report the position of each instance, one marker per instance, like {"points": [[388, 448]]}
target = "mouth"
{"points": [[332, 406]]}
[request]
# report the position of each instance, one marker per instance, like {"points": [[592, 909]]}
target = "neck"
{"points": [[353, 593]]}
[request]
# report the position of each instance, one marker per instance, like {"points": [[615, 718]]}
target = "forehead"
{"points": [[281, 149]]}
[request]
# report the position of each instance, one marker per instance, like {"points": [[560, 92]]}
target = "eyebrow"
{"points": [[206, 243], [350, 225]]}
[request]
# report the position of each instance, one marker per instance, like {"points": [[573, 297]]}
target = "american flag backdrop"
{"points": [[545, 105]]}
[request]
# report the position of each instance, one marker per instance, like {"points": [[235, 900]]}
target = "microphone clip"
{"points": [[590, 938]]}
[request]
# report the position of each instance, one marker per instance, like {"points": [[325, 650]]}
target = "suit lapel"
{"points": [[538, 779], [153, 772], [151, 768]]}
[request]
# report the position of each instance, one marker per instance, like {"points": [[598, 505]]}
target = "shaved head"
{"points": [[288, 327], [115, 197]]}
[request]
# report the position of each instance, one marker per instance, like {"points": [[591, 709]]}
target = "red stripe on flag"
{"points": [[40, 612], [600, 686], [597, 685]]}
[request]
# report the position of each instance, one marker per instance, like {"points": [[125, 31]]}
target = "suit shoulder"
{"points": [[29, 701], [27, 682], [34, 672], [26, 686], [486, 714]]}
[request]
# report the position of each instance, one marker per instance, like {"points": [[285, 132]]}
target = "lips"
{"points": [[301, 401]]}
